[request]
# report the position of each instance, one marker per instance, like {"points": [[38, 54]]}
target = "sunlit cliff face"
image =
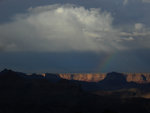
{"points": [[84, 77], [130, 77]]}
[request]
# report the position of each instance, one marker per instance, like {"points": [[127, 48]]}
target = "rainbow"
{"points": [[106, 61]]}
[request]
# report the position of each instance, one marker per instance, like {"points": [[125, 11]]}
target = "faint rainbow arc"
{"points": [[106, 61]]}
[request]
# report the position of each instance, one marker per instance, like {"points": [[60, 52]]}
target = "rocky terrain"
{"points": [[96, 77]]}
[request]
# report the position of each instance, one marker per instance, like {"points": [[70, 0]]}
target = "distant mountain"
{"points": [[96, 77], [88, 82]]}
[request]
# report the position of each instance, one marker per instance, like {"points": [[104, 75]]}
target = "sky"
{"points": [[75, 36]]}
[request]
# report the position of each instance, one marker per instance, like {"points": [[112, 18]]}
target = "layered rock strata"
{"points": [[96, 77]]}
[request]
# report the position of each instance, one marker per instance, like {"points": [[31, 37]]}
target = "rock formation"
{"points": [[138, 77], [96, 77], [88, 77]]}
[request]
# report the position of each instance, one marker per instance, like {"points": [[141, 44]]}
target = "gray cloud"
{"points": [[64, 28], [146, 1], [136, 36], [59, 28], [125, 2]]}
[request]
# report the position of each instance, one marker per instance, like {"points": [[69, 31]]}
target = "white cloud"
{"points": [[136, 37], [138, 30], [63, 28], [59, 28], [135, 34]]}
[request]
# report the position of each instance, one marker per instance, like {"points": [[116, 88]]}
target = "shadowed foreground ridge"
{"points": [[48, 93]]}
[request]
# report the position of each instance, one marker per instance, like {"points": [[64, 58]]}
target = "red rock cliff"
{"points": [[138, 77], [96, 77], [88, 77]]}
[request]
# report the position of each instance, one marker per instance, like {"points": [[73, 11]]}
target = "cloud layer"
{"points": [[64, 28], [59, 28], [147, 1]]}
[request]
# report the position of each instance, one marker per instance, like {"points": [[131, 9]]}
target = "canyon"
{"points": [[53, 93], [97, 77]]}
